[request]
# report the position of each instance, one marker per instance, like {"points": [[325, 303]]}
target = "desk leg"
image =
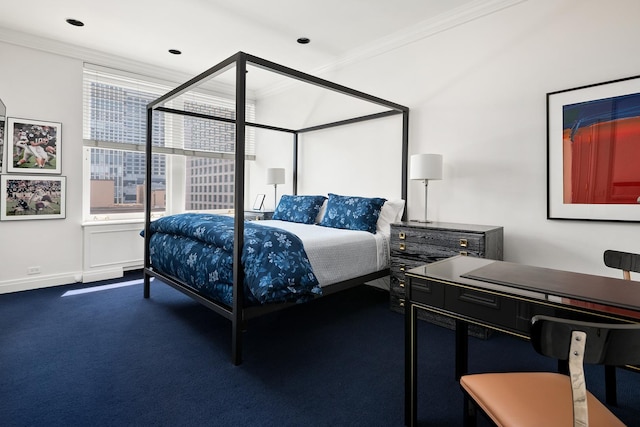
{"points": [[411, 364], [462, 348], [611, 393]]}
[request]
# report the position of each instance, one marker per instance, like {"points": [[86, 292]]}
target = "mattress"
{"points": [[337, 255]]}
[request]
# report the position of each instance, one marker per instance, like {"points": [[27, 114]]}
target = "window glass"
{"points": [[115, 112]]}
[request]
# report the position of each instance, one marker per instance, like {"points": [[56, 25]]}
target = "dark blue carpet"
{"points": [[112, 358]]}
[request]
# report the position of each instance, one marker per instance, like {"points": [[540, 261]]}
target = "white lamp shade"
{"points": [[275, 176], [426, 166]]}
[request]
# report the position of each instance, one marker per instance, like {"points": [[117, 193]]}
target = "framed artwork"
{"points": [[2, 144], [33, 146], [593, 152], [24, 197], [259, 202]]}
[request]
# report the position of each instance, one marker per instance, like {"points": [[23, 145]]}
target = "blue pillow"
{"points": [[352, 213], [303, 209]]}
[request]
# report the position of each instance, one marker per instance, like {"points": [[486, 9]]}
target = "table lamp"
{"points": [[425, 167], [275, 176]]}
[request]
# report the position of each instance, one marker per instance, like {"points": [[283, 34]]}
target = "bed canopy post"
{"points": [[238, 241], [405, 155], [147, 201], [295, 163]]}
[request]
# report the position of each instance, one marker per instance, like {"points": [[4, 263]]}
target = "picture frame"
{"points": [[259, 202], [33, 146], [28, 197], [593, 147], [2, 140]]}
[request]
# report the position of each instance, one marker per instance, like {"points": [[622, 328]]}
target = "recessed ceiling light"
{"points": [[75, 22], [304, 40], [175, 51]]}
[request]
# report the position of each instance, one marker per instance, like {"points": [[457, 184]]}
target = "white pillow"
{"points": [[391, 212], [323, 209]]}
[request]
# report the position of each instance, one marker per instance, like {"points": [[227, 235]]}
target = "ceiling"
{"points": [[208, 31]]}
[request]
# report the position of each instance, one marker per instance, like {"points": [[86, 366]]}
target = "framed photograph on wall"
{"points": [[593, 152], [33, 146], [24, 197], [2, 140]]}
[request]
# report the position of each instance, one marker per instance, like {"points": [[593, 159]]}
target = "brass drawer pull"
{"points": [[402, 267], [463, 243], [401, 235], [402, 283], [402, 246], [401, 302], [464, 253]]}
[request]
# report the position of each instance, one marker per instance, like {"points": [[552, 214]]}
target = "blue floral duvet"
{"points": [[198, 250]]}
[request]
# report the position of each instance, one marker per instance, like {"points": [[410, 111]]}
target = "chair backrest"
{"points": [[606, 343], [625, 261], [585, 342]]}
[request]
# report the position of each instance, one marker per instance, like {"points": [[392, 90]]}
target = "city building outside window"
{"points": [[114, 133]]}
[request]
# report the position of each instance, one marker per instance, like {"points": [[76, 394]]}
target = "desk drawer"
{"points": [[427, 292], [527, 309], [493, 309]]}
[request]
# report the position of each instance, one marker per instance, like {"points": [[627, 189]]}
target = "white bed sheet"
{"points": [[336, 254]]}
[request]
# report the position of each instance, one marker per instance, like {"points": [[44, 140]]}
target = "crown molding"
{"points": [[86, 54], [427, 28], [443, 22], [438, 24], [108, 60]]}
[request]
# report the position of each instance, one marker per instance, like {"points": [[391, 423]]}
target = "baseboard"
{"points": [[104, 274], [38, 282], [50, 280]]}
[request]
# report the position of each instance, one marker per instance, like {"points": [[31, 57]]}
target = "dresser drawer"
{"points": [[400, 265], [434, 244], [451, 243], [396, 301], [398, 268]]}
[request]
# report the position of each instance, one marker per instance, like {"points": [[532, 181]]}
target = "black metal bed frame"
{"points": [[238, 314]]}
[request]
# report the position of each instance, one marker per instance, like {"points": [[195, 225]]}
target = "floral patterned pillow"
{"points": [[303, 209], [352, 213]]}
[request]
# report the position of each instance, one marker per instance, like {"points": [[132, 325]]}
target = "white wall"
{"points": [[41, 86], [342, 172], [36, 85], [477, 94]]}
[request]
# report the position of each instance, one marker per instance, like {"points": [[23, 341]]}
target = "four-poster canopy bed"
{"points": [[238, 302]]}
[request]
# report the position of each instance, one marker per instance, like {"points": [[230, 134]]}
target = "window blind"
{"points": [[114, 117]]}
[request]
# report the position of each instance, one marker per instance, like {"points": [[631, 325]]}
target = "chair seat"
{"points": [[531, 399]]}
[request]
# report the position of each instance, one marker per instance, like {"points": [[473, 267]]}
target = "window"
{"points": [[114, 133]]}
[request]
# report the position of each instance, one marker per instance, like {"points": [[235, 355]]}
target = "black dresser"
{"points": [[414, 244]]}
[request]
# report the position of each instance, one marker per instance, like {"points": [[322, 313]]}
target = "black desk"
{"points": [[505, 296]]}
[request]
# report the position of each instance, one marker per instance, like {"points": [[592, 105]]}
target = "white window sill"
{"points": [[103, 222]]}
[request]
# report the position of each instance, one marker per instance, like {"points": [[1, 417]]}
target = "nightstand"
{"points": [[257, 215], [414, 244]]}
